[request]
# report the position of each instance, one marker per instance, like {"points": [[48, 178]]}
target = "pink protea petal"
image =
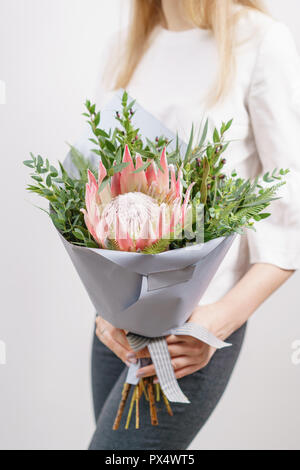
{"points": [[171, 195], [91, 188], [127, 179], [186, 201], [128, 244], [175, 218], [121, 235], [90, 226], [115, 184], [141, 244], [153, 189], [163, 176], [93, 194], [125, 243], [102, 173], [91, 179], [173, 178], [87, 196], [151, 174], [140, 178], [127, 158], [179, 184], [102, 232], [147, 236], [161, 223], [104, 195]]}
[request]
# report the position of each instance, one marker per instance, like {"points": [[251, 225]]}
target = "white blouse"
{"points": [[172, 81]]}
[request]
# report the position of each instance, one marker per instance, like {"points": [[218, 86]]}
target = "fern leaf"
{"points": [[158, 247], [112, 245]]}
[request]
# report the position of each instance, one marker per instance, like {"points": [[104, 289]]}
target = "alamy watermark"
{"points": [[2, 92], [2, 353], [295, 357]]}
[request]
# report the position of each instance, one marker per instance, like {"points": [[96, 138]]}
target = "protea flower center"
{"points": [[138, 208], [132, 214]]}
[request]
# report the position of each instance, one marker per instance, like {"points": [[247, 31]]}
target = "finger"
{"points": [[177, 363], [120, 337], [181, 349], [180, 339], [114, 346], [143, 353], [147, 371], [179, 374], [185, 339], [98, 321], [102, 326], [113, 339], [171, 339]]}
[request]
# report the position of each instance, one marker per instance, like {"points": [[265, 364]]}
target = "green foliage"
{"points": [[66, 197], [231, 204], [110, 145], [80, 163], [158, 247]]}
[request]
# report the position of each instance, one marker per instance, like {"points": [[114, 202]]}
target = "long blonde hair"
{"points": [[215, 15]]}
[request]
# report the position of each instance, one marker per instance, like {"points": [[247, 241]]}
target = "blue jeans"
{"points": [[204, 388]]}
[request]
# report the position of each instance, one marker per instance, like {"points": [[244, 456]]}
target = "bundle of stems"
{"points": [[152, 394]]}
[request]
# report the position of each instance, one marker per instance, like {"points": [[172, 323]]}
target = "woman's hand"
{"points": [[188, 354], [115, 339], [221, 318]]}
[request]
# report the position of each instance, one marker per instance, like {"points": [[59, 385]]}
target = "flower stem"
{"points": [[157, 388], [168, 406], [153, 411], [137, 407], [125, 393], [130, 409], [144, 389]]}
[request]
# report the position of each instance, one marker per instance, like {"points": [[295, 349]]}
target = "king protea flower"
{"points": [[136, 210]]}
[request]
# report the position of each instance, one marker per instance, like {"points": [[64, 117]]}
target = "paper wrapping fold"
{"points": [[148, 294]]}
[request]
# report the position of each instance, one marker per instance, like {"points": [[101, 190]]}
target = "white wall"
{"points": [[49, 57]]}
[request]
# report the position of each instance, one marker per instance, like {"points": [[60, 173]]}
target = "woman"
{"points": [[185, 60]]}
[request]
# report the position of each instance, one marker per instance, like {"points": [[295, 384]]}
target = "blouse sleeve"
{"points": [[274, 107]]}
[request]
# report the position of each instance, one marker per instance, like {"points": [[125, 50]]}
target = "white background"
{"points": [[49, 58]]}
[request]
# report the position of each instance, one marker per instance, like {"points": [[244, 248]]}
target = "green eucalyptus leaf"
{"points": [[110, 146], [101, 133], [97, 120], [78, 234], [48, 181], [204, 134], [189, 147], [228, 125], [143, 167], [28, 163], [216, 137], [37, 178]]}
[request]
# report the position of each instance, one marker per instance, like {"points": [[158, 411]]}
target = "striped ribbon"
{"points": [[161, 359]]}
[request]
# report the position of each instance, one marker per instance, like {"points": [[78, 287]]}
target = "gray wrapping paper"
{"points": [[149, 295], [120, 284]]}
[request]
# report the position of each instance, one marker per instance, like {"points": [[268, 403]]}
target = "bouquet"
{"points": [[147, 220]]}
